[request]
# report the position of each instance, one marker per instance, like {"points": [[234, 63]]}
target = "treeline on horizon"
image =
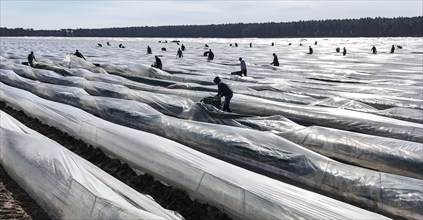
{"points": [[363, 27]]}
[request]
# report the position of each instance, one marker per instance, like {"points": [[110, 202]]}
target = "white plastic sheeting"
{"points": [[385, 154], [241, 193], [263, 151], [65, 185], [337, 118], [365, 150]]}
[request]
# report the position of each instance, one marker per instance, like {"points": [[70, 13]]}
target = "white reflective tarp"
{"points": [[257, 148], [241, 193], [379, 153], [65, 185], [365, 150]]}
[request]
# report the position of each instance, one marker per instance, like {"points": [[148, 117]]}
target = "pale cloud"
{"points": [[49, 14]]}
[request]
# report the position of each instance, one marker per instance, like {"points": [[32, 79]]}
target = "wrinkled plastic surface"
{"points": [[262, 150], [361, 82], [65, 185], [385, 154], [241, 193], [365, 150]]}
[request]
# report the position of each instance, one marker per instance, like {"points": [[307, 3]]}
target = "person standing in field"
{"points": [[149, 50], [243, 66], [374, 51], [275, 60], [344, 52], [31, 59], [210, 55], [179, 53], [224, 90], [392, 49]]}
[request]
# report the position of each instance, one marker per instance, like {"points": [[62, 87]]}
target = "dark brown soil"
{"points": [[167, 196], [15, 203]]}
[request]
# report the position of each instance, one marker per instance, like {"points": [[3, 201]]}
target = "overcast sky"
{"points": [[58, 14]]}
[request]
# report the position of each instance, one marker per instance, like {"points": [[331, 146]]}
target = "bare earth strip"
{"points": [[15, 203]]}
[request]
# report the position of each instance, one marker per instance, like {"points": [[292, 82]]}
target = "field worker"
{"points": [[374, 51], [310, 50], [210, 55], [392, 49], [158, 63], [149, 50], [31, 59], [78, 54], [179, 53], [183, 47], [243, 66], [275, 60], [224, 90], [344, 52], [337, 49]]}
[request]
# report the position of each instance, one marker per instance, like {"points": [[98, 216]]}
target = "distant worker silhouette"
{"points": [[121, 46], [78, 54], [392, 49], [224, 90], [273, 44], [210, 55], [251, 44], [149, 50], [243, 66], [315, 42], [338, 49], [344, 52], [275, 60], [158, 63], [100, 45], [31, 59], [310, 50], [179, 53], [374, 50], [183, 47], [108, 44], [236, 45]]}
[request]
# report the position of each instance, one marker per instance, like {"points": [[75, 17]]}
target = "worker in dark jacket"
{"points": [[224, 90], [179, 53], [78, 54], [243, 66], [374, 50], [275, 60], [149, 50], [310, 50], [31, 59], [158, 63], [210, 55]]}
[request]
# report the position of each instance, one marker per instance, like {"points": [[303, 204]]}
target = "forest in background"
{"points": [[363, 27]]}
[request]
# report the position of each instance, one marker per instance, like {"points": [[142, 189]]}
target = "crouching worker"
{"points": [[158, 63], [224, 90]]}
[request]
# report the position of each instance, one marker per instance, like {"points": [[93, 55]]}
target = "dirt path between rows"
{"points": [[167, 196]]}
